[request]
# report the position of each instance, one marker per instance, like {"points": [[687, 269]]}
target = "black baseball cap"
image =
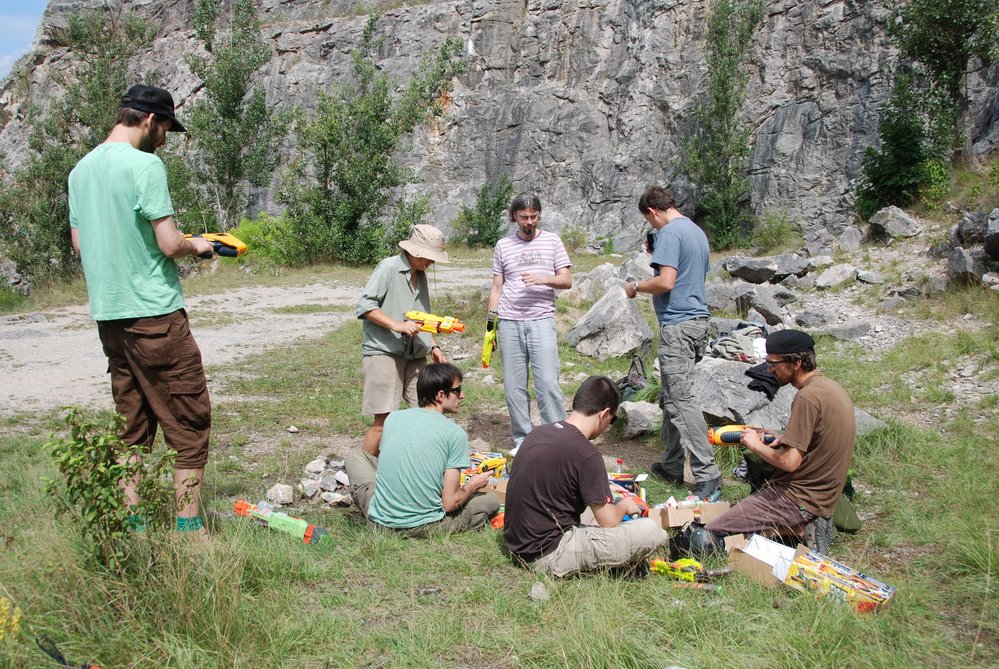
{"points": [[152, 100]]}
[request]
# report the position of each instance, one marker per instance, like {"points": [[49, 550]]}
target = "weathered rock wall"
{"points": [[583, 101]]}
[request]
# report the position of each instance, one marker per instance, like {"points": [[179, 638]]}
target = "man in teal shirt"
{"points": [[414, 485], [121, 222]]}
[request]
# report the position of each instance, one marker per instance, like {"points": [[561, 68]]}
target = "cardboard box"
{"points": [[813, 572], [702, 513], [498, 488], [630, 482], [759, 559]]}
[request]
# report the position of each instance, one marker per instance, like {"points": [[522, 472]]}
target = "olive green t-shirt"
{"points": [[822, 426], [115, 191]]}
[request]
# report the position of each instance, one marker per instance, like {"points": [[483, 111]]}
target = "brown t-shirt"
{"points": [[557, 474], [823, 428]]}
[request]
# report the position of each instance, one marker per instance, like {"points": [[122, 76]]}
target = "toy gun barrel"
{"points": [[282, 522], [435, 324], [730, 434]]}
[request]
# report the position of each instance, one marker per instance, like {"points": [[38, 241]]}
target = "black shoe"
{"points": [[660, 473], [705, 489]]}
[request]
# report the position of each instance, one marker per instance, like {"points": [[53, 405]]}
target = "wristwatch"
{"points": [[634, 286]]}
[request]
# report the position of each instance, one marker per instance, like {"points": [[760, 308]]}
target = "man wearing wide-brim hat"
{"points": [[394, 350], [812, 457]]}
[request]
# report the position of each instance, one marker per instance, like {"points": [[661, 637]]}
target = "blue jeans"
{"points": [[684, 430], [535, 344]]}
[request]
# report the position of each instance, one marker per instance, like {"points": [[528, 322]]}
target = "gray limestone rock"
{"points": [[963, 268], [850, 239], [636, 267], [845, 332], [612, 327], [866, 422], [820, 262], [593, 285], [753, 270], [971, 228], [937, 285], [721, 390], [893, 222], [639, 418], [763, 303], [991, 237], [281, 493], [872, 278], [812, 318], [836, 275]]}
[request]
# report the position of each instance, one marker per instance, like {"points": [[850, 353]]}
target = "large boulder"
{"points": [[636, 267], [991, 240], [836, 275], [964, 268], [893, 222], [612, 327], [639, 418], [850, 238], [971, 228], [593, 285], [753, 270], [721, 389]]}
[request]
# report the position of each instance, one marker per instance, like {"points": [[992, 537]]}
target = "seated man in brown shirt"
{"points": [[812, 456]]}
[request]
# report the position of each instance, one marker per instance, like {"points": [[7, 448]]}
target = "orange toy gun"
{"points": [[224, 243], [729, 434], [435, 324], [643, 506], [282, 522]]}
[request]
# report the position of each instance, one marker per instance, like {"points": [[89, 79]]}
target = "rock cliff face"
{"points": [[583, 101]]}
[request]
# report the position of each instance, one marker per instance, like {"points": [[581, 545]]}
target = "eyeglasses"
{"points": [[456, 391], [774, 363], [525, 218]]}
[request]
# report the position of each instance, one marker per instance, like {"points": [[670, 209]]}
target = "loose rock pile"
{"points": [[325, 481]]}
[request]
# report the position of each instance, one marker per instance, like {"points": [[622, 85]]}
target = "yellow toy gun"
{"points": [[494, 465], [435, 324], [729, 434], [686, 569], [489, 343], [224, 243]]}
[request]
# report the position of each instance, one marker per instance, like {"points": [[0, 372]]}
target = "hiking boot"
{"points": [[742, 472], [660, 473], [704, 489]]}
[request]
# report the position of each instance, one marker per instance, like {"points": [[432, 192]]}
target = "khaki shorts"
{"points": [[388, 380], [158, 381]]}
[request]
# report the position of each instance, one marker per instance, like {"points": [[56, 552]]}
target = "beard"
{"points": [[147, 143]]}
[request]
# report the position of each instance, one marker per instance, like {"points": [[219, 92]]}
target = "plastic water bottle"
{"points": [[619, 467]]}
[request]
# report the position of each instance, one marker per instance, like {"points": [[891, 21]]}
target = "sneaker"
{"points": [[742, 472], [660, 472], [704, 489]]}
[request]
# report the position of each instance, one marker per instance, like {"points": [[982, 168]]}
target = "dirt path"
{"points": [[54, 359]]}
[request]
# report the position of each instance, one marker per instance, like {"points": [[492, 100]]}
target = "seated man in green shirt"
{"points": [[414, 485]]}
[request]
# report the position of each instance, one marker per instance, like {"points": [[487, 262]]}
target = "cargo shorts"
{"points": [[157, 380]]}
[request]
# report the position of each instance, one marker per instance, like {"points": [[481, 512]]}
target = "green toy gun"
{"points": [[489, 341], [282, 522]]}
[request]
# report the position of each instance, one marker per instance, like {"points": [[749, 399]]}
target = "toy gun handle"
{"points": [[223, 244], [489, 343]]}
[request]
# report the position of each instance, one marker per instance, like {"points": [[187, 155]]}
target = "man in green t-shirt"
{"points": [[121, 222], [414, 485]]}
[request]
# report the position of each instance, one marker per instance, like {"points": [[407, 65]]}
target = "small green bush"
{"points": [[774, 231], [484, 224], [574, 238], [269, 238], [92, 461]]}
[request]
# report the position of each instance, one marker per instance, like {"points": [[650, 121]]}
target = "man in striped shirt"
{"points": [[528, 266]]}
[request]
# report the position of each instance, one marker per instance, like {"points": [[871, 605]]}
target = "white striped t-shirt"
{"points": [[513, 257]]}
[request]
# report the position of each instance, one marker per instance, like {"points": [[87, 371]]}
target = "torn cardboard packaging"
{"points": [[703, 513], [770, 564]]}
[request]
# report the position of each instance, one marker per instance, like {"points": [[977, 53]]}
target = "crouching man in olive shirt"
{"points": [[560, 517]]}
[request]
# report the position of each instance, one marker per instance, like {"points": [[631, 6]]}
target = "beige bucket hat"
{"points": [[425, 241]]}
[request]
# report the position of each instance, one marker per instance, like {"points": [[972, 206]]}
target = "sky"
{"points": [[19, 20]]}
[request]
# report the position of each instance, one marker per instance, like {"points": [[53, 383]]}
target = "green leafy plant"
{"points": [[485, 223], [236, 133], [715, 154], [774, 230], [908, 164], [93, 461], [267, 237], [574, 238], [337, 192], [949, 39]]}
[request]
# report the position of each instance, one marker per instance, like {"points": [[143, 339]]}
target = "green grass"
{"points": [[258, 599]]}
